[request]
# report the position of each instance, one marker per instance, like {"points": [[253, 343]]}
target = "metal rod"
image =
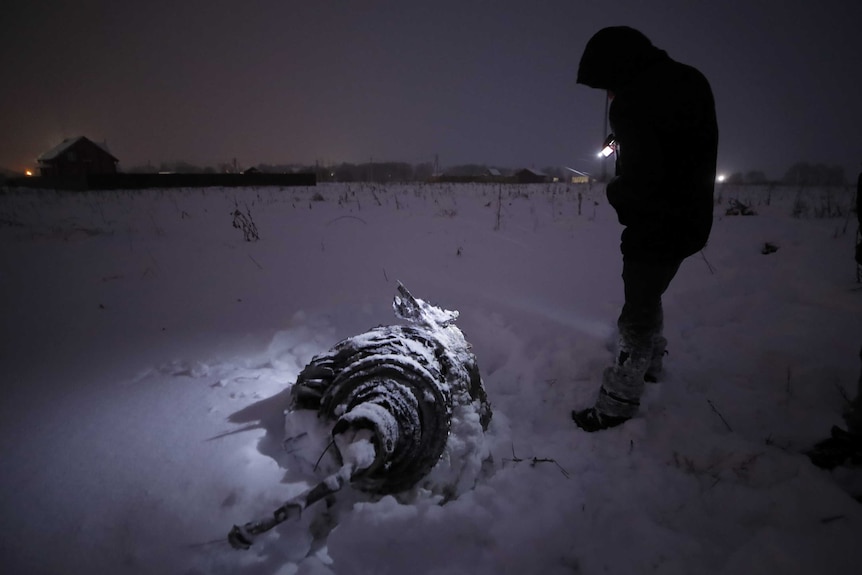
{"points": [[243, 537]]}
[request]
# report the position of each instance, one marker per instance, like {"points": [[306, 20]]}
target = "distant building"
{"points": [[76, 157], [579, 177], [528, 176]]}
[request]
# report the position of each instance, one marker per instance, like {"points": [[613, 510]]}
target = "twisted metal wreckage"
{"points": [[395, 396]]}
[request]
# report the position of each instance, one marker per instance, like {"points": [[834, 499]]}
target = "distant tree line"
{"points": [[372, 172], [753, 177], [799, 174], [381, 172], [805, 174]]}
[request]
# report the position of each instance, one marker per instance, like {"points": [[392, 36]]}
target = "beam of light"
{"points": [[599, 329], [576, 171], [596, 329]]}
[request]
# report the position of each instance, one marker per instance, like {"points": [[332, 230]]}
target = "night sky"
{"points": [[490, 82]]}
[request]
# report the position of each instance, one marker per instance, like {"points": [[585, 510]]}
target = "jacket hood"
{"points": [[614, 55]]}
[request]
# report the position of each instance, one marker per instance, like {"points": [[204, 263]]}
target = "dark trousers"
{"points": [[641, 344], [644, 283]]}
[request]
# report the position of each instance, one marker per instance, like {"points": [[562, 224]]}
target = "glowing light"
{"points": [[29, 173], [609, 147], [720, 178]]}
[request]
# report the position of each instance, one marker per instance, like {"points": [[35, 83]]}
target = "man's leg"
{"points": [[656, 365], [640, 326]]}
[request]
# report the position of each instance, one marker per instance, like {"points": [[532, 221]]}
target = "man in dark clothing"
{"points": [[662, 116]]}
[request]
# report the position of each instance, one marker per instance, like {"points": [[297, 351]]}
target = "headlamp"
{"points": [[609, 147]]}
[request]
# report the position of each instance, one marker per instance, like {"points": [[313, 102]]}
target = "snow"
{"points": [[383, 424], [358, 452], [147, 352]]}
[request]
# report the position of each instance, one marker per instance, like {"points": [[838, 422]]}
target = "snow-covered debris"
{"points": [[398, 399]]}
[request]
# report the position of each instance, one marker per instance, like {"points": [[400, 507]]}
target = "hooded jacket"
{"points": [[663, 120]]}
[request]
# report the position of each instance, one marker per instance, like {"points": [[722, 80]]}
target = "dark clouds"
{"points": [[490, 82]]}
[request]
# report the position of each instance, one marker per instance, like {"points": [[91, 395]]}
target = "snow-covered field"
{"points": [[146, 350]]}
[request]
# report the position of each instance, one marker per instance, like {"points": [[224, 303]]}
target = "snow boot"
{"points": [[591, 420], [610, 411], [659, 350], [622, 385]]}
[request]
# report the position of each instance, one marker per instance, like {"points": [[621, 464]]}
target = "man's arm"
{"points": [[635, 191]]}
